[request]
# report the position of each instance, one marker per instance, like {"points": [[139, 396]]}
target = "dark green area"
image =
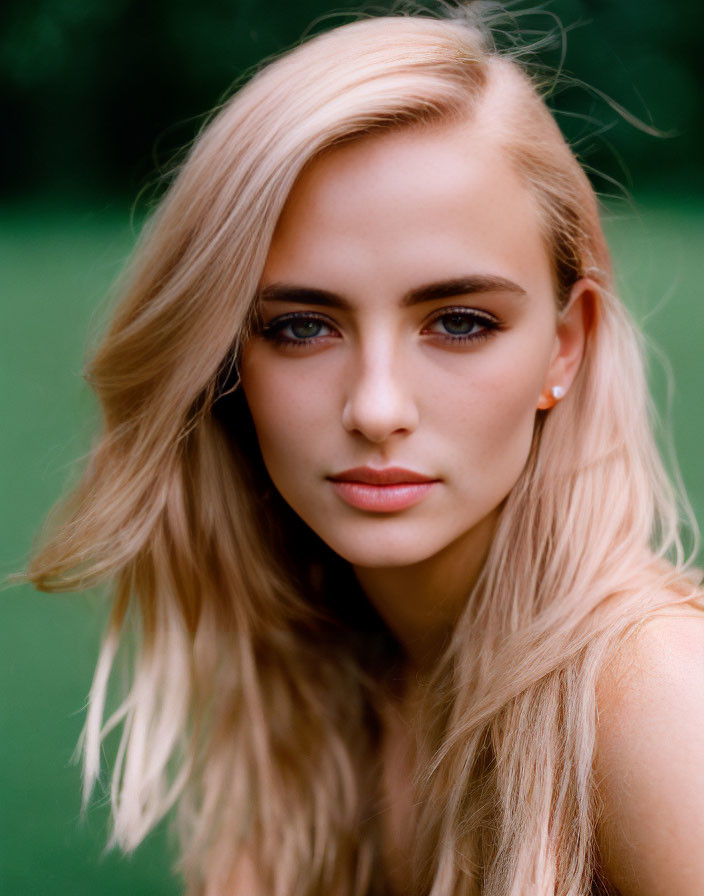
{"points": [[95, 94], [57, 264]]}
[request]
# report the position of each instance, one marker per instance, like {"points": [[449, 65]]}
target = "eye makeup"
{"points": [[461, 325], [304, 328]]}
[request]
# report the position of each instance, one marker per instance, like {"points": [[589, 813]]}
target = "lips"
{"points": [[381, 491], [387, 476]]}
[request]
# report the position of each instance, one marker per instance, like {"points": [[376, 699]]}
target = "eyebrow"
{"points": [[475, 284]]}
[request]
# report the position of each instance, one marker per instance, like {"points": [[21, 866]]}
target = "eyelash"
{"points": [[274, 329]]}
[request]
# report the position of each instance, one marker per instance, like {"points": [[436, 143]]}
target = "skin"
{"points": [[649, 765], [383, 384]]}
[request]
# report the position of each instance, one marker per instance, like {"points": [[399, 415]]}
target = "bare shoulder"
{"points": [[649, 763]]}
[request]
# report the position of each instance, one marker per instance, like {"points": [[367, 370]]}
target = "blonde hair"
{"points": [[252, 705]]}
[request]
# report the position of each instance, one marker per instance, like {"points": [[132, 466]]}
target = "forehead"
{"points": [[410, 205]]}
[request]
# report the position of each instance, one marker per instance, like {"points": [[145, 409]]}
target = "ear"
{"points": [[574, 322]]}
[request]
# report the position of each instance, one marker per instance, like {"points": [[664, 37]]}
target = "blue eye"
{"points": [[458, 324], [462, 325], [452, 325], [305, 329], [296, 329]]}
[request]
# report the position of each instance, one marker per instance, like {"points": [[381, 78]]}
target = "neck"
{"points": [[421, 603]]}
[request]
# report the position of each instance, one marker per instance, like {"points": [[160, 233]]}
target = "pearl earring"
{"points": [[557, 392]]}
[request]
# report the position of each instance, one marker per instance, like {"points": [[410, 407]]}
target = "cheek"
{"points": [[511, 405], [288, 420], [498, 419]]}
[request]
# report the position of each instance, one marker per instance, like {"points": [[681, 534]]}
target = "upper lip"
{"points": [[385, 476]]}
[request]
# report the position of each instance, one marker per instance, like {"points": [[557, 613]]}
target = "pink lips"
{"points": [[384, 491]]}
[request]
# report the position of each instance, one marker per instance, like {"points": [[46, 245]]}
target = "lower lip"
{"points": [[382, 498]]}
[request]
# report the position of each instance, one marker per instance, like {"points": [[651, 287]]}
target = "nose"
{"points": [[379, 400]]}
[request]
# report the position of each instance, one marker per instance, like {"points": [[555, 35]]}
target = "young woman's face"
{"points": [[408, 324]]}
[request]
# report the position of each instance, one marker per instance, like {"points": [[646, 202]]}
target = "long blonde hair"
{"points": [[254, 697]]}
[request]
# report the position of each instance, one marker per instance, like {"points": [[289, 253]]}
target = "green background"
{"points": [[96, 97]]}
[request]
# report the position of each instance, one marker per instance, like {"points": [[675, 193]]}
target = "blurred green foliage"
{"points": [[98, 94]]}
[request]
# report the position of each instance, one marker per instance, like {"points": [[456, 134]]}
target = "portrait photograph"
{"points": [[351, 475]]}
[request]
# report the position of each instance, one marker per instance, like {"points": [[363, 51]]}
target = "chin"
{"points": [[375, 551]]}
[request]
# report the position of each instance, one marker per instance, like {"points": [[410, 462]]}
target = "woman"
{"points": [[379, 497]]}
